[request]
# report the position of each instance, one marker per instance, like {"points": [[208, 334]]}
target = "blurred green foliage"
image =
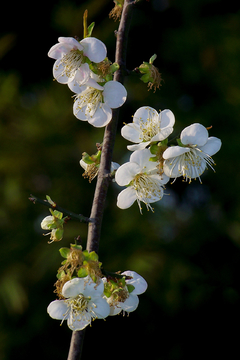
{"points": [[188, 250]]}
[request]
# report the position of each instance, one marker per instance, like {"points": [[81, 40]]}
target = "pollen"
{"points": [[90, 98], [70, 62], [150, 127], [90, 172], [147, 190]]}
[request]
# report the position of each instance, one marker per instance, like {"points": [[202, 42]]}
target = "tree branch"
{"points": [[103, 180]]}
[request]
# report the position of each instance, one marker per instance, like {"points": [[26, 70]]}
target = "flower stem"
{"points": [[103, 180]]}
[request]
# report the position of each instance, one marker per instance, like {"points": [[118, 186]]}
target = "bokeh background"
{"points": [[189, 249]]}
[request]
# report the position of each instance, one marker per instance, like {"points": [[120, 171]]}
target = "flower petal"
{"points": [[102, 309], [172, 167], [114, 94], [137, 281], [126, 198], [70, 42], [60, 74], [143, 114], [141, 157], [139, 146], [166, 118], [76, 323], [94, 49], [174, 151], [195, 134], [101, 117], [212, 146], [57, 309], [132, 132], [74, 287], [126, 173], [131, 303]]}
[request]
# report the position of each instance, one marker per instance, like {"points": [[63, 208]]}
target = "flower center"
{"points": [[147, 189], [119, 295], [78, 305], [192, 164], [71, 62], [149, 128], [91, 98], [90, 172]]}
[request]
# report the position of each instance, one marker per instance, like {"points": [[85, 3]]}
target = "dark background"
{"points": [[188, 250]]}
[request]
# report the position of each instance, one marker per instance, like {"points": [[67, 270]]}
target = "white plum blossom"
{"points": [[191, 159], [94, 103], [143, 181], [148, 126], [83, 302], [70, 56], [124, 300]]}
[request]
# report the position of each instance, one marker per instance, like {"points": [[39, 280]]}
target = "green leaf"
{"points": [[90, 29]]}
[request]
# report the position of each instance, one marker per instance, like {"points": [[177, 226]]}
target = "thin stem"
{"points": [[103, 180], [54, 206]]}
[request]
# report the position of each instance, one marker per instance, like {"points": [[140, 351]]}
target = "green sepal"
{"points": [[90, 29], [64, 252], [82, 273], [154, 148], [60, 274], [180, 143], [145, 78], [163, 142], [130, 288], [153, 158], [87, 158], [57, 214], [75, 246]]}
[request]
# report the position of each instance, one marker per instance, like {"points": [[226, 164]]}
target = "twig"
{"points": [[54, 206]]}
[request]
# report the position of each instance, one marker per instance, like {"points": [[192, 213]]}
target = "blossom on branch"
{"points": [[83, 302], [148, 126], [122, 293], [193, 156], [71, 55], [94, 103], [143, 181]]}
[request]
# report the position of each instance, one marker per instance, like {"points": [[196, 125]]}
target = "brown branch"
{"points": [[103, 180]]}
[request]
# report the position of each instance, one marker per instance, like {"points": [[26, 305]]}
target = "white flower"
{"points": [[148, 126], [191, 161], [94, 103], [124, 299], [70, 57], [83, 302], [142, 179]]}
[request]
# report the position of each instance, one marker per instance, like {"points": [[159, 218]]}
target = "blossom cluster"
{"points": [[84, 67], [91, 294], [153, 162]]}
